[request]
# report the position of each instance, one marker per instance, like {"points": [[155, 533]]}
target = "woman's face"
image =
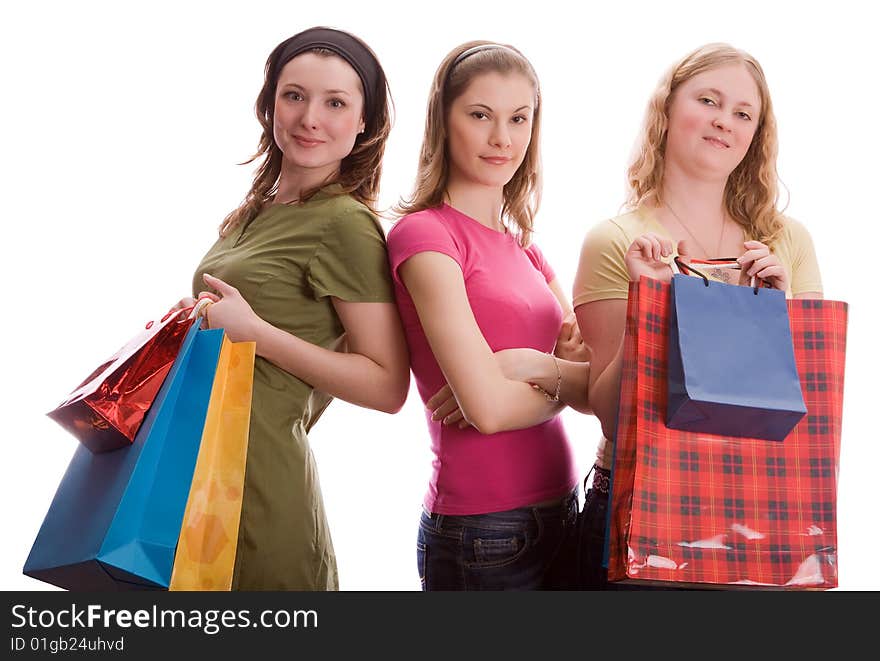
{"points": [[489, 128], [712, 120], [318, 111]]}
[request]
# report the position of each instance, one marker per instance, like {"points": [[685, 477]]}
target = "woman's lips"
{"points": [[717, 142], [496, 160], [307, 142]]}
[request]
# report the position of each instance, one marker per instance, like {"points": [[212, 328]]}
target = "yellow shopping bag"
{"points": [[205, 554]]}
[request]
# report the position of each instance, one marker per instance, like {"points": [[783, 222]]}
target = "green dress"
{"points": [[287, 263]]}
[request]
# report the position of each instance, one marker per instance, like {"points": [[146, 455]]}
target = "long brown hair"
{"points": [[752, 190], [360, 171], [522, 194]]}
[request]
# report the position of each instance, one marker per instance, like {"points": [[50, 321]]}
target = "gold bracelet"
{"points": [[555, 396]]}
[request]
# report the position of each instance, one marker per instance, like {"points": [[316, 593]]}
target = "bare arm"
{"points": [[572, 357], [373, 373], [488, 400], [602, 325]]}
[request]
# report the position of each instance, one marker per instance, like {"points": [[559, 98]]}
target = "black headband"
{"points": [[349, 49]]}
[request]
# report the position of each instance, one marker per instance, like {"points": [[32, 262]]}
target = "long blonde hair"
{"points": [[360, 171], [752, 191], [522, 194]]}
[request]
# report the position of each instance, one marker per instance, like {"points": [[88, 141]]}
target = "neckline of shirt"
{"points": [[460, 214]]}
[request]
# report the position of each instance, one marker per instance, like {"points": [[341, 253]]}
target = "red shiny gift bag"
{"points": [[704, 510], [106, 410]]}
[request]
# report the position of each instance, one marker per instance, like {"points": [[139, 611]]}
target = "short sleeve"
{"points": [[601, 272], [420, 232], [351, 262], [805, 275], [541, 263]]}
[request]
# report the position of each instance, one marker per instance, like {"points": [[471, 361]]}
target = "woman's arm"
{"points": [[373, 373], [603, 322], [602, 325], [569, 361], [488, 400], [572, 358]]}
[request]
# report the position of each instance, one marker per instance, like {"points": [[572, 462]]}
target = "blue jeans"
{"points": [[591, 543], [591, 534], [530, 548]]}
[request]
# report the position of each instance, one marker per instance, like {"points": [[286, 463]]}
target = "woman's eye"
{"points": [[745, 116], [479, 115], [294, 96], [707, 101], [337, 103], [520, 119]]}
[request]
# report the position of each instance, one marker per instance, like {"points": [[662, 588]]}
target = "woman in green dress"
{"points": [[301, 269]]}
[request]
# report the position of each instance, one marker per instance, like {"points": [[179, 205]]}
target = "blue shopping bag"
{"points": [[731, 361], [116, 516]]}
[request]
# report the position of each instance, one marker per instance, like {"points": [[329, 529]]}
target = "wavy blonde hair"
{"points": [[360, 171], [522, 194], [752, 191]]}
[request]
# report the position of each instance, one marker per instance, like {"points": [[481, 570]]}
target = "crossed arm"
{"points": [[486, 397], [437, 287]]}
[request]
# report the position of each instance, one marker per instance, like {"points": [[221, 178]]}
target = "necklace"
{"points": [[708, 254]]}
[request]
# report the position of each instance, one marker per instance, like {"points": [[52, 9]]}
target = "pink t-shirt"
{"points": [[474, 473]]}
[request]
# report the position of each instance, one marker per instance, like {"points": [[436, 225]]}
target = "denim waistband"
{"points": [[506, 520]]}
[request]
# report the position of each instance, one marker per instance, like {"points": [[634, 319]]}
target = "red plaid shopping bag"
{"points": [[706, 509]]}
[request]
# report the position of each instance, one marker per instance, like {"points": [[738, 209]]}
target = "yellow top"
{"points": [[602, 271]]}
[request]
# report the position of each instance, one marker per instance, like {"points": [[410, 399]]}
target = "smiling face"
{"points": [[712, 120], [318, 112], [489, 128]]}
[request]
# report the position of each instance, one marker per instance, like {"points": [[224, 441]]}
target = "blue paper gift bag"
{"points": [[116, 516], [731, 361]]}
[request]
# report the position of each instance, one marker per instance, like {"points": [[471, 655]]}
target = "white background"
{"points": [[122, 125]]}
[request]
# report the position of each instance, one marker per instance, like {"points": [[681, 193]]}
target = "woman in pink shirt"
{"points": [[484, 315]]}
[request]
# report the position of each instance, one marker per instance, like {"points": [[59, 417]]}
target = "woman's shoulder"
{"points": [[793, 229], [619, 230], [343, 212], [794, 236], [418, 222]]}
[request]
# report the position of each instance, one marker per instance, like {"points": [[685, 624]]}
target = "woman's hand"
{"points": [[570, 345], [182, 304], [520, 364], [758, 261], [644, 258], [445, 409], [229, 311]]}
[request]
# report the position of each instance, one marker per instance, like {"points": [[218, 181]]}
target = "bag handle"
{"points": [[193, 310], [755, 283], [199, 307]]}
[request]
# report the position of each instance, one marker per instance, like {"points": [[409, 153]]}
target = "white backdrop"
{"points": [[122, 125]]}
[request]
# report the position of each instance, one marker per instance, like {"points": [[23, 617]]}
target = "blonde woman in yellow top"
{"points": [[703, 184]]}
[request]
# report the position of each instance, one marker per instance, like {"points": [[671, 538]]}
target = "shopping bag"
{"points": [[731, 367], [205, 556], [106, 410], [706, 510], [116, 516]]}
